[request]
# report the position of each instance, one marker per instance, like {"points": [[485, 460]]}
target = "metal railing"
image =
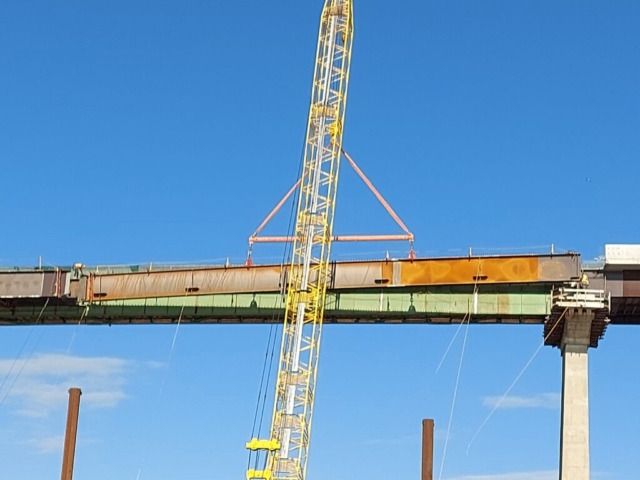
{"points": [[580, 298]]}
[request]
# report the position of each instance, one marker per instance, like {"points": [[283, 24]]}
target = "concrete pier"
{"points": [[574, 429], [578, 320]]}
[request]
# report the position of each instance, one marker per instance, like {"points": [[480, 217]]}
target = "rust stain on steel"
{"points": [[347, 275], [182, 282], [470, 270], [254, 279], [504, 304]]}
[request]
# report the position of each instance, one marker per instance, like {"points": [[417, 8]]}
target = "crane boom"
{"points": [[288, 447]]}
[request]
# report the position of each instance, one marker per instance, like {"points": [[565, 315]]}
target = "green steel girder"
{"points": [[491, 304]]}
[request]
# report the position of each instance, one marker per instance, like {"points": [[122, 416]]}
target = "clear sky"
{"points": [[165, 131]]}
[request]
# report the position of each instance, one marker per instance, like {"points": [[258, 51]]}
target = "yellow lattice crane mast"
{"points": [[286, 451]]}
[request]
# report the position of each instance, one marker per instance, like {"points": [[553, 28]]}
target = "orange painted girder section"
{"points": [[472, 270]]}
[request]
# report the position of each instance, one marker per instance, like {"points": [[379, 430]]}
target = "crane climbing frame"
{"points": [[288, 446]]}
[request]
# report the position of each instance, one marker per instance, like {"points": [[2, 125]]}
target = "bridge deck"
{"points": [[510, 289]]}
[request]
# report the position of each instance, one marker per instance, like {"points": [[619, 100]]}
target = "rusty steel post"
{"points": [[427, 449], [71, 433]]}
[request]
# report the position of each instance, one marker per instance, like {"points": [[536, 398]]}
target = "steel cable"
{"points": [[516, 380]]}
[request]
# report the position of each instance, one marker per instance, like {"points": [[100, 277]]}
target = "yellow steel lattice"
{"points": [[287, 449]]}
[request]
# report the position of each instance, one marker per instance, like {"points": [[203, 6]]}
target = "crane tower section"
{"points": [[286, 451]]}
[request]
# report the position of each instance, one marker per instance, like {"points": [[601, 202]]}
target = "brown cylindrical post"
{"points": [[427, 449], [71, 433]]}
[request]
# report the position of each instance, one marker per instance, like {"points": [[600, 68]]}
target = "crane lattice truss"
{"points": [[287, 448]]}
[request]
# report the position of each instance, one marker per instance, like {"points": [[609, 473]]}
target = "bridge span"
{"points": [[497, 289]]}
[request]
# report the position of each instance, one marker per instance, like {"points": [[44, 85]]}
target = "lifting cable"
{"points": [[85, 310], [164, 376], [467, 317], [265, 378], [453, 339], [264, 398], [262, 377], [20, 353], [274, 330], [444, 357], [455, 393], [276, 318], [262, 391], [497, 405]]}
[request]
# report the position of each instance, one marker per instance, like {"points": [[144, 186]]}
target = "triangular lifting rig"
{"points": [[407, 236]]}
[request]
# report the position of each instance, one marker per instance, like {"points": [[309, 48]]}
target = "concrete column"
{"points": [[574, 429]]}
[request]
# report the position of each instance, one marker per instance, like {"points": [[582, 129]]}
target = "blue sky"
{"points": [[165, 131]]}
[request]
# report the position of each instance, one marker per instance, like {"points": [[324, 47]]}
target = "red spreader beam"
{"points": [[407, 236]]}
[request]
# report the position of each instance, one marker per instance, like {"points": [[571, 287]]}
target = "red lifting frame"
{"points": [[407, 236]]}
